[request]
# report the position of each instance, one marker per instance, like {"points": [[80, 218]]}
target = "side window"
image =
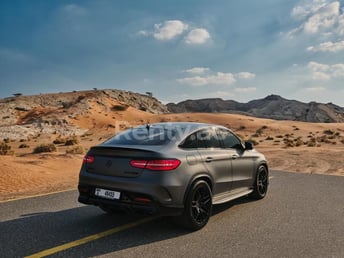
{"points": [[202, 139], [228, 139], [190, 142], [208, 139]]}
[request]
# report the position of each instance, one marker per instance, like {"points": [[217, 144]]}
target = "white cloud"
{"points": [[338, 70], [317, 67], [306, 8], [217, 78], [169, 29], [320, 76], [245, 75], [197, 70], [245, 90], [143, 33], [327, 47], [197, 36], [321, 72], [325, 18], [318, 16]]}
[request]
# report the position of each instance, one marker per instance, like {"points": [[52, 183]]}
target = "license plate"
{"points": [[107, 194]]}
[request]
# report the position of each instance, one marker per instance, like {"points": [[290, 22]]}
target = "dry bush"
{"points": [[50, 147], [298, 142], [5, 149], [288, 142], [72, 141], [312, 142], [119, 107], [24, 145], [59, 140], [76, 150], [328, 132]]}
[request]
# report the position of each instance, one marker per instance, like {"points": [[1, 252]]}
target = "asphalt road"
{"points": [[302, 216]]}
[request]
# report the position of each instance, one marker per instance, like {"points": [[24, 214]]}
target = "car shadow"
{"points": [[35, 232]]}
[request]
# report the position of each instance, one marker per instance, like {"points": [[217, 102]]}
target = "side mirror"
{"points": [[248, 146]]}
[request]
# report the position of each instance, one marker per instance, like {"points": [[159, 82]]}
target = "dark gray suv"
{"points": [[178, 169]]}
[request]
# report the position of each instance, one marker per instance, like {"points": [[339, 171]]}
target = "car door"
{"points": [[242, 161], [215, 159]]}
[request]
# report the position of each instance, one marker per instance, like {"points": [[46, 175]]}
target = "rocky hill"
{"points": [[29, 116], [273, 107]]}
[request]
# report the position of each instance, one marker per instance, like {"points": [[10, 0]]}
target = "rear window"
{"points": [[143, 136]]}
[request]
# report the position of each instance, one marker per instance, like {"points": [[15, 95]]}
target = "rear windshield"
{"points": [[143, 136]]}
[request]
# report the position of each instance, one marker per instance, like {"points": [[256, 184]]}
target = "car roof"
{"points": [[183, 128]]}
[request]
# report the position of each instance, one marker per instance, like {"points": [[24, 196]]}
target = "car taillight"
{"points": [[88, 159], [158, 164]]}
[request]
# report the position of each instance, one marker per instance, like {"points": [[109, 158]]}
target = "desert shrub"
{"points": [[259, 131], [24, 145], [76, 150], [119, 107], [7, 140], [298, 142], [312, 142], [5, 149], [242, 127], [59, 140], [289, 143], [72, 141], [328, 132], [279, 136], [50, 147], [269, 138], [342, 141]]}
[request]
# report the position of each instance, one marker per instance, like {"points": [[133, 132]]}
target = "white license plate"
{"points": [[107, 194]]}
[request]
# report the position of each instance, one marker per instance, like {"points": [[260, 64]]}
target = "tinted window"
{"points": [[190, 142], [143, 136], [228, 139], [208, 139], [202, 139]]}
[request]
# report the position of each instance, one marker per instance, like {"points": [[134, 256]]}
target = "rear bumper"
{"points": [[129, 201]]}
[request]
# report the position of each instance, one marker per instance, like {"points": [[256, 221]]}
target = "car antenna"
{"points": [[148, 126]]}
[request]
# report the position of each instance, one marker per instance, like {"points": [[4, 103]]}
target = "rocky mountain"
{"points": [[29, 116], [273, 107]]}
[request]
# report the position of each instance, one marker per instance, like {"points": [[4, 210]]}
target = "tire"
{"points": [[261, 183], [197, 207]]}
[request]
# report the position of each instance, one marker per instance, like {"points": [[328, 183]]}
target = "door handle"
{"points": [[235, 156], [209, 159]]}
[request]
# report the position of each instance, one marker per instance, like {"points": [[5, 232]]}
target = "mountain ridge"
{"points": [[272, 107]]}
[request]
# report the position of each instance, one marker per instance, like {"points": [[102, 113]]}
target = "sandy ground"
{"points": [[25, 174]]}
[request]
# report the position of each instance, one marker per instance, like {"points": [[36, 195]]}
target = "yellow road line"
{"points": [[38, 195], [89, 238]]}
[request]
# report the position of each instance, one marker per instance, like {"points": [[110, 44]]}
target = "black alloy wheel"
{"points": [[261, 183], [198, 206]]}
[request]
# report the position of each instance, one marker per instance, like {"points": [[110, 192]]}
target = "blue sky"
{"points": [[178, 50]]}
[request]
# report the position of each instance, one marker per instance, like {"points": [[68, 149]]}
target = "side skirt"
{"points": [[228, 196]]}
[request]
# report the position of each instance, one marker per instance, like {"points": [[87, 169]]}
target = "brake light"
{"points": [[159, 164], [88, 159]]}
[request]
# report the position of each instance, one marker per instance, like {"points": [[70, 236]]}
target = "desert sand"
{"points": [[299, 147]]}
